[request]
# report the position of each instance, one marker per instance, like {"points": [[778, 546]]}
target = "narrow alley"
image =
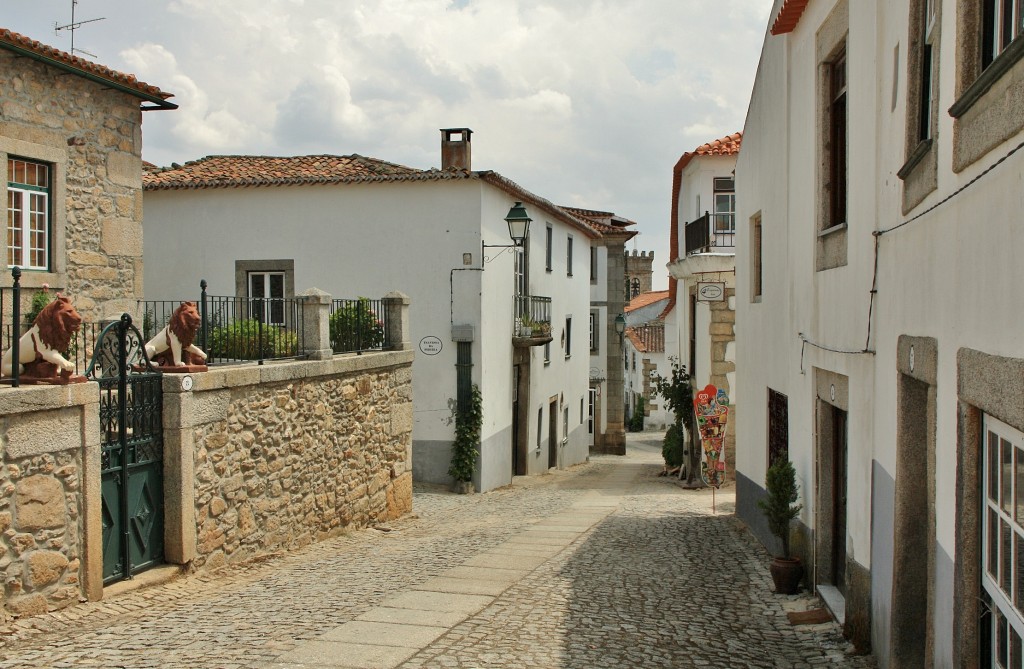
{"points": [[604, 565]]}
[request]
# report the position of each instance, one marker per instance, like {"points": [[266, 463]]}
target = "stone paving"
{"points": [[605, 565]]}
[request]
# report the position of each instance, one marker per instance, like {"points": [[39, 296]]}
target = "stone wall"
{"points": [[285, 455], [45, 495], [91, 137]]}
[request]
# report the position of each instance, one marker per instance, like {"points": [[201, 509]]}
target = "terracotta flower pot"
{"points": [[786, 573]]}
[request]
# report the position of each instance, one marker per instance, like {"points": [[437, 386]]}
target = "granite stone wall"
{"points": [[91, 137]]}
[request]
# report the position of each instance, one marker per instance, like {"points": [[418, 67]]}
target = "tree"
{"points": [[678, 395]]}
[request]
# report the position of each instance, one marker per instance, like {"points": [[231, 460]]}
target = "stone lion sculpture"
{"points": [[39, 355], [172, 346]]}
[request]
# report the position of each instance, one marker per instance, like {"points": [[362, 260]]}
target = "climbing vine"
{"points": [[468, 423]]}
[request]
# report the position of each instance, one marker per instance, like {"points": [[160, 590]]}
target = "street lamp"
{"points": [[518, 229], [518, 224], [620, 325]]}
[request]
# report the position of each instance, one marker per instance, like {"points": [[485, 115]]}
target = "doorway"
{"points": [[553, 434], [839, 499]]}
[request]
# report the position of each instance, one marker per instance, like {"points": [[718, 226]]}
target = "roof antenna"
{"points": [[73, 26]]}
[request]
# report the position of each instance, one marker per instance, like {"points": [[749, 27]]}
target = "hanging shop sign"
{"points": [[710, 291]]}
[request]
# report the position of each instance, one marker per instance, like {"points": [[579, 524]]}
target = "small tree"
{"points": [[779, 506], [468, 423], [678, 395]]}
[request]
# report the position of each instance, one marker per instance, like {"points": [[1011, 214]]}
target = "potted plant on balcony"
{"points": [[780, 509]]}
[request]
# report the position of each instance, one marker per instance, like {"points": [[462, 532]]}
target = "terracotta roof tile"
{"points": [[25, 46], [645, 299], [788, 16], [247, 171], [236, 171]]}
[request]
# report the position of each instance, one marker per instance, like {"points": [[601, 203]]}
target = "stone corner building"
{"points": [[71, 150]]}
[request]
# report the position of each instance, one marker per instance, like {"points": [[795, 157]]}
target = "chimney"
{"points": [[455, 148]]}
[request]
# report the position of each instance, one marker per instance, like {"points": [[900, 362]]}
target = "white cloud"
{"points": [[585, 101]]}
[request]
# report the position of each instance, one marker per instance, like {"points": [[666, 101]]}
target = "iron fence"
{"points": [[358, 325], [532, 316], [236, 329]]}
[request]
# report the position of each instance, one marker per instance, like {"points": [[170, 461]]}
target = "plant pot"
{"points": [[786, 573], [462, 487]]}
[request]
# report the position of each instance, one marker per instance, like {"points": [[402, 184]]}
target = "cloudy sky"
{"points": [[588, 103]]}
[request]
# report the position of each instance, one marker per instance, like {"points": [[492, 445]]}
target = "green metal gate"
{"points": [[131, 426]]}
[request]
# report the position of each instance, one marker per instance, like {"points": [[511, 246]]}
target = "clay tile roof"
{"points": [[235, 171], [644, 299], [788, 16], [126, 83]]}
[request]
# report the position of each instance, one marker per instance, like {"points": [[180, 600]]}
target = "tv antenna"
{"points": [[73, 26]]}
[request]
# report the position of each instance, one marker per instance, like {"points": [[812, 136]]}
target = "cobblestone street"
{"points": [[605, 565]]}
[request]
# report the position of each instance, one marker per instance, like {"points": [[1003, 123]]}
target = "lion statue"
{"points": [[39, 354], [172, 346]]}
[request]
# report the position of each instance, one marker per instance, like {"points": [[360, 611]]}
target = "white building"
{"points": [[356, 226], [702, 270], [880, 312], [607, 301]]}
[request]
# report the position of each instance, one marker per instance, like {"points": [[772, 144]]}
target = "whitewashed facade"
{"points": [[880, 312], [418, 232]]}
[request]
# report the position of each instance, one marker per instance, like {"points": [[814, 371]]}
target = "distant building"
{"points": [[639, 273]]}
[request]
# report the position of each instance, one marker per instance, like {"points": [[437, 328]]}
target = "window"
{"points": [[568, 336], [778, 427], [1002, 545], [595, 323], [549, 242], [634, 361], [756, 279], [28, 214], [568, 255], [519, 268], [989, 66], [547, 353], [1001, 24], [920, 171], [540, 425], [837, 177], [593, 264], [266, 295], [634, 287], [725, 205], [265, 284]]}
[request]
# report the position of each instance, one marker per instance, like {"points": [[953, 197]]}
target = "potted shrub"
{"points": [[780, 508]]}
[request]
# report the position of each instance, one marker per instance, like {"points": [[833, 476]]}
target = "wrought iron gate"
{"points": [[131, 427]]}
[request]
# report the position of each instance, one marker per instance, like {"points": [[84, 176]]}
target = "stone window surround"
{"points": [[244, 267], [986, 384], [986, 112], [57, 158], [830, 41], [920, 171]]}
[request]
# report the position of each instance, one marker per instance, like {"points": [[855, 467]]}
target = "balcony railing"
{"points": [[531, 317], [711, 232]]}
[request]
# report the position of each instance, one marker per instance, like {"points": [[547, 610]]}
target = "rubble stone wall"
{"points": [[43, 448], [278, 463]]}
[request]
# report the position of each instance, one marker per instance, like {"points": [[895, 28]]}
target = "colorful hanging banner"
{"points": [[711, 407]]}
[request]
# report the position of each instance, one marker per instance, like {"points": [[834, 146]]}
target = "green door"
{"points": [[131, 424]]}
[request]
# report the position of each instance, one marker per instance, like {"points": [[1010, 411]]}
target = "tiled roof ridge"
{"points": [[646, 299], [12, 40], [724, 146], [514, 189]]}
